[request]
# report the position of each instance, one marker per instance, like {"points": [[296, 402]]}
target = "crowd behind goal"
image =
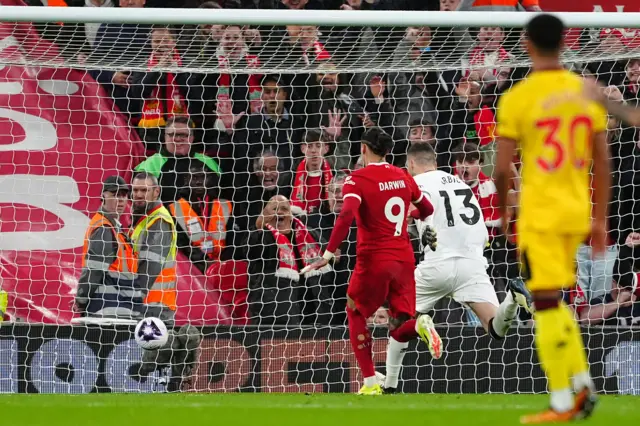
{"points": [[242, 153]]}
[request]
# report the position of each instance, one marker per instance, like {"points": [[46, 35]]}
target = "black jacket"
{"points": [[259, 132]]}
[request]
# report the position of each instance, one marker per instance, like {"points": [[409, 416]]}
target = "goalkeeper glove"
{"points": [[429, 238]]}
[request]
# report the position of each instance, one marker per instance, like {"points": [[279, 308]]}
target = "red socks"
{"points": [[406, 332], [361, 342]]}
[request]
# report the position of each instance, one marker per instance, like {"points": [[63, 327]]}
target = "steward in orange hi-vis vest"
{"points": [[207, 230], [107, 286]]}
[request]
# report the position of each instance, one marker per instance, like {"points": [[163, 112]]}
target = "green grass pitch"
{"points": [[292, 410]]}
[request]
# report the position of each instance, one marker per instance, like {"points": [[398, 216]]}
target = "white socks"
{"points": [[562, 400], [370, 381], [395, 355], [506, 314], [582, 381]]}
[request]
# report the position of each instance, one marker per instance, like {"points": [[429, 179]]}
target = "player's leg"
{"points": [[423, 288], [367, 291], [473, 287], [548, 266], [433, 282]]}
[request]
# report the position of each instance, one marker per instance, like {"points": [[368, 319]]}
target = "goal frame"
{"points": [[307, 17]]}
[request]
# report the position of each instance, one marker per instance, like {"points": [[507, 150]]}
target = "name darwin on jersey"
{"points": [[394, 184]]}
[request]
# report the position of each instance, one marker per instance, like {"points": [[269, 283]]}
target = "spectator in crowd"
{"points": [[414, 99], [381, 317], [280, 248], [323, 221], [610, 72], [118, 46], [171, 165], [268, 179], [624, 210], [311, 182], [107, 286], [154, 241], [446, 40], [378, 105], [243, 89], [576, 300], [199, 44], [619, 308], [229, 95], [351, 42], [91, 29], [465, 108], [275, 127], [485, 59], [421, 130], [328, 106], [304, 44], [163, 94], [595, 274], [300, 4], [208, 227], [628, 262]]}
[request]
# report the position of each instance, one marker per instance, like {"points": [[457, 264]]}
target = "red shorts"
{"points": [[374, 282]]}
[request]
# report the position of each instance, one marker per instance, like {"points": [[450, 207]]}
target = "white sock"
{"points": [[581, 381], [506, 314], [562, 401], [370, 381], [395, 355]]}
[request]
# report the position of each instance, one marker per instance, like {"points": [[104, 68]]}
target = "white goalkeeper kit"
{"points": [[457, 268]]}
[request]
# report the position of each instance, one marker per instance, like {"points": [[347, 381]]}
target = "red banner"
{"points": [[60, 136]]}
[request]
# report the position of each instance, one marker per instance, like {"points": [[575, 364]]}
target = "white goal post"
{"points": [[251, 104], [310, 17]]}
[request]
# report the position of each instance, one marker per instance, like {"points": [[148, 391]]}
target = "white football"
{"points": [[151, 333]]}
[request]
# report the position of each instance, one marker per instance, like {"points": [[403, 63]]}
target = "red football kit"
{"points": [[379, 196]]}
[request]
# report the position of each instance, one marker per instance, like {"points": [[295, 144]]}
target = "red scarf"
{"points": [[255, 90], [299, 194], [156, 110], [317, 52], [307, 247]]}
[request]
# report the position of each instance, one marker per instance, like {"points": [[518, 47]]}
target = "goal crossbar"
{"points": [[306, 17]]}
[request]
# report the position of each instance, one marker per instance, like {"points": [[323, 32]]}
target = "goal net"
{"points": [[250, 122]]}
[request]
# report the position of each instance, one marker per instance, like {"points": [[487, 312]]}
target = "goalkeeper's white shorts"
{"points": [[464, 280]]}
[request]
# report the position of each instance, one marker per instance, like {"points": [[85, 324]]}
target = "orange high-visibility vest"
{"points": [[208, 234], [57, 3], [125, 265]]}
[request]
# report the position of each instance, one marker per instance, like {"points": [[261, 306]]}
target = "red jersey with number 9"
{"points": [[385, 193], [553, 124]]}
